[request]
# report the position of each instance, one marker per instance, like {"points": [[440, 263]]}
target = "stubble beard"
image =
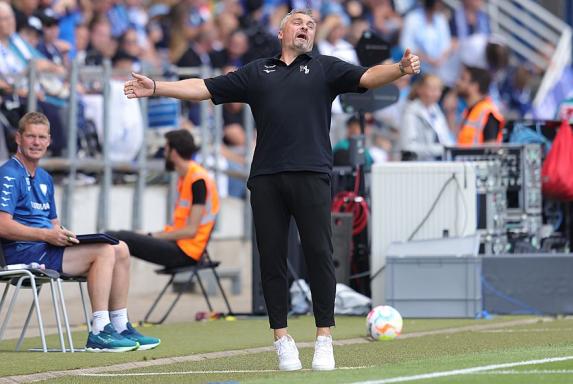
{"points": [[302, 47], [169, 165]]}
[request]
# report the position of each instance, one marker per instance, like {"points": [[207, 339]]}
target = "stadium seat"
{"points": [[204, 264], [34, 279]]}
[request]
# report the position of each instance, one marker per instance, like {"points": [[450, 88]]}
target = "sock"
{"points": [[119, 319], [99, 320]]}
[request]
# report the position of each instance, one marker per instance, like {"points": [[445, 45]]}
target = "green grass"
{"points": [[401, 357]]}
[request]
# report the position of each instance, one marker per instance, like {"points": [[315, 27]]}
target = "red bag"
{"points": [[557, 170]]}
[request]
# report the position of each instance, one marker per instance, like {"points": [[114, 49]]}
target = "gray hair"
{"points": [[304, 11]]}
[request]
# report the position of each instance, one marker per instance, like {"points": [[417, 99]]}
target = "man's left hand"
{"points": [[410, 63]]}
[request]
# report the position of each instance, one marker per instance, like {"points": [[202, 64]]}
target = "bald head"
{"points": [[5, 9], [7, 20]]}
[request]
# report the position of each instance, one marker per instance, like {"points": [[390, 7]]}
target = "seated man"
{"points": [[31, 232], [197, 205]]}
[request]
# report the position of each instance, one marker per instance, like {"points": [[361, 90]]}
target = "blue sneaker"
{"points": [[145, 342], [108, 340]]}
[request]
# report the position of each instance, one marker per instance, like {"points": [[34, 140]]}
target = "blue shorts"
{"points": [[35, 252]]}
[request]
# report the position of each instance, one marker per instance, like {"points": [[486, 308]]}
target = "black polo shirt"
{"points": [[291, 105]]}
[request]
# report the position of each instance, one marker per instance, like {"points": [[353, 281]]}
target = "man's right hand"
{"points": [[61, 237], [142, 86]]}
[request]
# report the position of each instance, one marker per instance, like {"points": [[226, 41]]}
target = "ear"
{"points": [[18, 138], [280, 35]]}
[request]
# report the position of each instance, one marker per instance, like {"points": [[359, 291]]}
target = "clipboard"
{"points": [[94, 238]]}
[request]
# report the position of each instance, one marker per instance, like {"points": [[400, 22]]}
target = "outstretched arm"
{"points": [[188, 89], [383, 74]]}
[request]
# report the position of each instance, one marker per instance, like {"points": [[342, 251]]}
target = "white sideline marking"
{"points": [[201, 372], [465, 371], [538, 330], [32, 377], [530, 372]]}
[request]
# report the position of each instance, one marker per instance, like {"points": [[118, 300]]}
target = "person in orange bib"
{"points": [[184, 240], [482, 122]]}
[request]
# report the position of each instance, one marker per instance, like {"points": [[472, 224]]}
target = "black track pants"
{"points": [[158, 251], [306, 196]]}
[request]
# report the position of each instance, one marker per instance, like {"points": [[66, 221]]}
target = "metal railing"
{"points": [[210, 131]]}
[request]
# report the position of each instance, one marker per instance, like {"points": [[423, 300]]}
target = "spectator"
{"points": [[23, 9], [126, 123], [31, 32], [176, 32], [138, 19], [511, 87], [381, 147], [51, 47], [357, 28], [470, 30], [82, 41], [115, 12], [226, 23], [331, 40], [129, 44], [469, 19], [235, 51], [261, 42], [426, 31], [16, 54], [341, 151], [482, 121], [424, 129], [102, 44], [385, 20], [69, 14]]}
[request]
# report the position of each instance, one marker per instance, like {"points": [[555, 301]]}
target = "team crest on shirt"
{"points": [[44, 189], [304, 68]]}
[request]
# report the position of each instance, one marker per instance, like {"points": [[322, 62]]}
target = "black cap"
{"points": [[48, 17], [34, 24]]}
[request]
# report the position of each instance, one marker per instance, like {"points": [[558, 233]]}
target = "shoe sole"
{"points": [[323, 368], [120, 349], [147, 347], [294, 367]]}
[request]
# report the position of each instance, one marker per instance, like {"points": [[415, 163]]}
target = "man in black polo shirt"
{"points": [[290, 96]]}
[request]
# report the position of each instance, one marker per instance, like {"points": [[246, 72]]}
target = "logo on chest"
{"points": [[269, 68], [304, 68]]}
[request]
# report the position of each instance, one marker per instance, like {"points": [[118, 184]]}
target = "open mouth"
{"points": [[301, 36]]}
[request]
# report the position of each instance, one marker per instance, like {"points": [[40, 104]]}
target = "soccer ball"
{"points": [[383, 323]]}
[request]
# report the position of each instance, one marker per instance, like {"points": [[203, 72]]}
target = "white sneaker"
{"points": [[323, 359], [288, 354]]}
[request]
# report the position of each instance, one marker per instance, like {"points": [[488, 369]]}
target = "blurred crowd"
{"points": [[458, 51]]}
